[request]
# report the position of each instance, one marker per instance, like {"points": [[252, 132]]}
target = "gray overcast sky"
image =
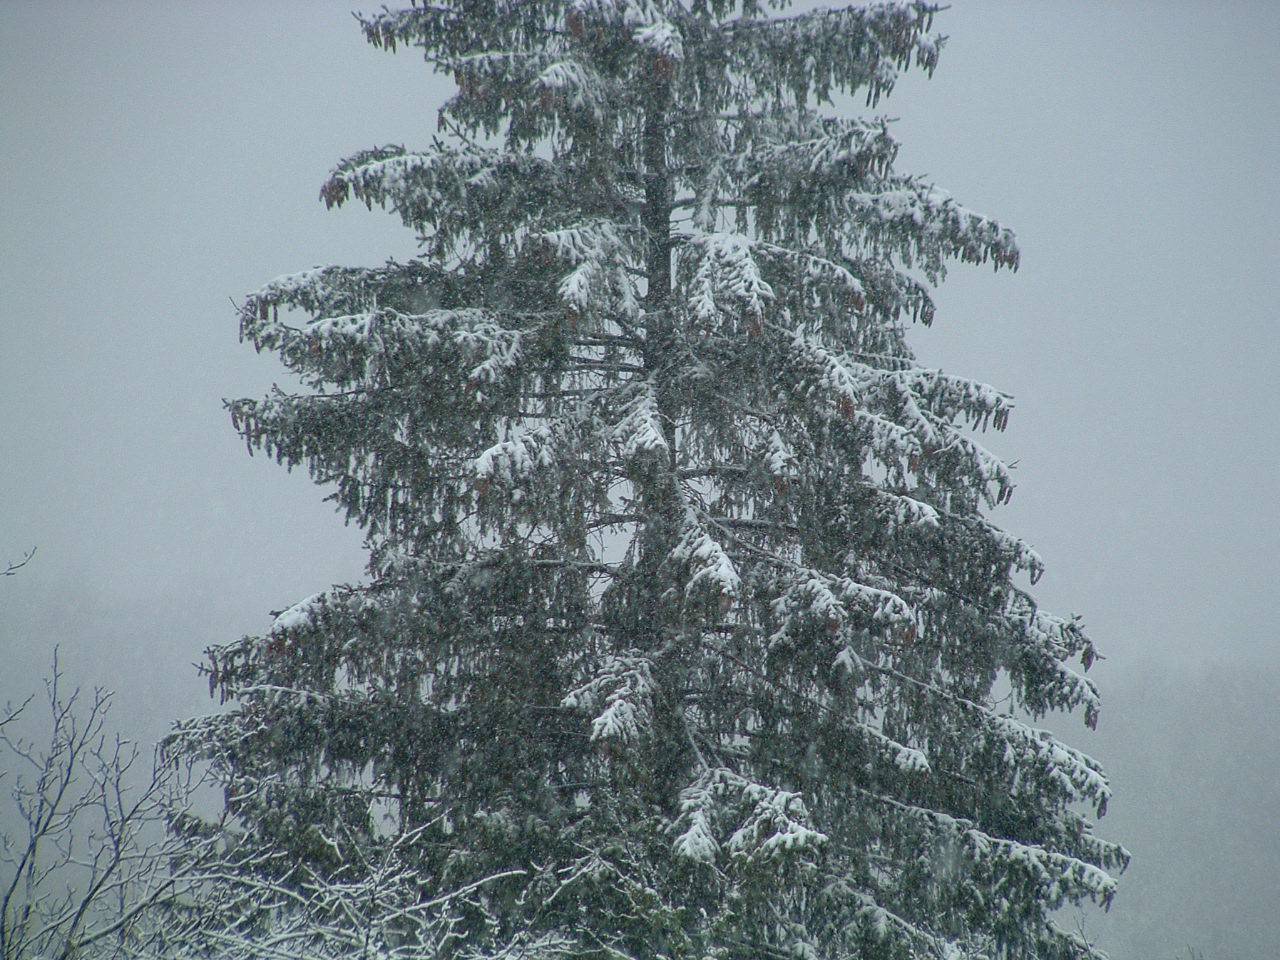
{"points": [[160, 158]]}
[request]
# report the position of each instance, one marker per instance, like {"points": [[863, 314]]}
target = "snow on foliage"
{"points": [[708, 566], [624, 686], [298, 615], [639, 433], [726, 267]]}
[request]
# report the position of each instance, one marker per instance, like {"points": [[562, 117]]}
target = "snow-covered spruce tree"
{"points": [[684, 627]]}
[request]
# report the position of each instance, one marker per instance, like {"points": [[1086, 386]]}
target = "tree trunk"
{"points": [[670, 748]]}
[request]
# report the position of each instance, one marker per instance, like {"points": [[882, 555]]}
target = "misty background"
{"points": [[160, 160]]}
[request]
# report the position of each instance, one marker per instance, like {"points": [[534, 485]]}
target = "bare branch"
{"points": [[12, 568], [92, 859]]}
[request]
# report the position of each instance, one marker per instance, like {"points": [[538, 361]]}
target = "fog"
{"points": [[159, 160]]}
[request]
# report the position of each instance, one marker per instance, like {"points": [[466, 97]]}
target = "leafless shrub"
{"points": [[86, 853]]}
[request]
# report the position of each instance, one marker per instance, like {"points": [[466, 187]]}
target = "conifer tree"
{"points": [[685, 633]]}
